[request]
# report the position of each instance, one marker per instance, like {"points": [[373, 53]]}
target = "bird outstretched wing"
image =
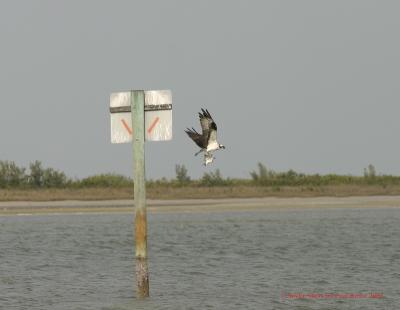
{"points": [[208, 126], [196, 137], [206, 121]]}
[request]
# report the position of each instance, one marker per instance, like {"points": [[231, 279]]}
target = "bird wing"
{"points": [[206, 121], [196, 137], [208, 126], [212, 137]]}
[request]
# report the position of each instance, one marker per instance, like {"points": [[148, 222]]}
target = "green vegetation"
{"points": [[182, 175], [266, 177], [38, 182], [49, 177], [216, 179], [12, 176], [370, 172], [104, 180]]}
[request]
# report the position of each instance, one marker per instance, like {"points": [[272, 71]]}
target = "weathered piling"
{"points": [[142, 270]]}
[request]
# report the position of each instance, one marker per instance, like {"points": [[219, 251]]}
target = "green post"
{"points": [[142, 271]]}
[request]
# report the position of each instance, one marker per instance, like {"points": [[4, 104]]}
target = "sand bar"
{"points": [[195, 205]]}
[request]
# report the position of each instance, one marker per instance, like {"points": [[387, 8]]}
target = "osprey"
{"points": [[207, 140]]}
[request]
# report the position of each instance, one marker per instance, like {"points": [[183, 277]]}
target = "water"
{"points": [[230, 260]]}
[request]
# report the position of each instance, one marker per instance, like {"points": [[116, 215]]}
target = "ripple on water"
{"points": [[238, 260]]}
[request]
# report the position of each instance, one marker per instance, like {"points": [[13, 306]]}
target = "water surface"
{"points": [[226, 260]]}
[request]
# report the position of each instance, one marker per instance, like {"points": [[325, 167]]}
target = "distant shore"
{"points": [[165, 192], [196, 205]]}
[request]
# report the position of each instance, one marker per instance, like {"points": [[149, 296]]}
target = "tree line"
{"points": [[38, 176], [263, 176]]}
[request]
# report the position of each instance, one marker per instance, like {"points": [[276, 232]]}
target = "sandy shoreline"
{"points": [[194, 205]]}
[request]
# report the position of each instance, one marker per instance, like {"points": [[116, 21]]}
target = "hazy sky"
{"points": [[307, 85]]}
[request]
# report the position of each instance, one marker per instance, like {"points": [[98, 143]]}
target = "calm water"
{"points": [[230, 260]]}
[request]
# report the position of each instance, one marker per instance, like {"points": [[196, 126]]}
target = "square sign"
{"points": [[157, 117]]}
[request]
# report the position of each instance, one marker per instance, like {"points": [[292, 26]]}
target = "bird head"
{"points": [[221, 146]]}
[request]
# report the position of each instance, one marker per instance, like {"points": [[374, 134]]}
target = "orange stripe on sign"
{"points": [[126, 127], [153, 125]]}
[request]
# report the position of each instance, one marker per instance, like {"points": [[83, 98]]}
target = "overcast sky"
{"points": [[306, 85]]}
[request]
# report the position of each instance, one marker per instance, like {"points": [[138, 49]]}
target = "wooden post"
{"points": [[142, 271]]}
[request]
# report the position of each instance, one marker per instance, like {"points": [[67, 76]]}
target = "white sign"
{"points": [[157, 117]]}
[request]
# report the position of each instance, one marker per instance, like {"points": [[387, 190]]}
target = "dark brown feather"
{"points": [[196, 137], [208, 127]]}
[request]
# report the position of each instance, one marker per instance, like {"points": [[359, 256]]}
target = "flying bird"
{"points": [[207, 140]]}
